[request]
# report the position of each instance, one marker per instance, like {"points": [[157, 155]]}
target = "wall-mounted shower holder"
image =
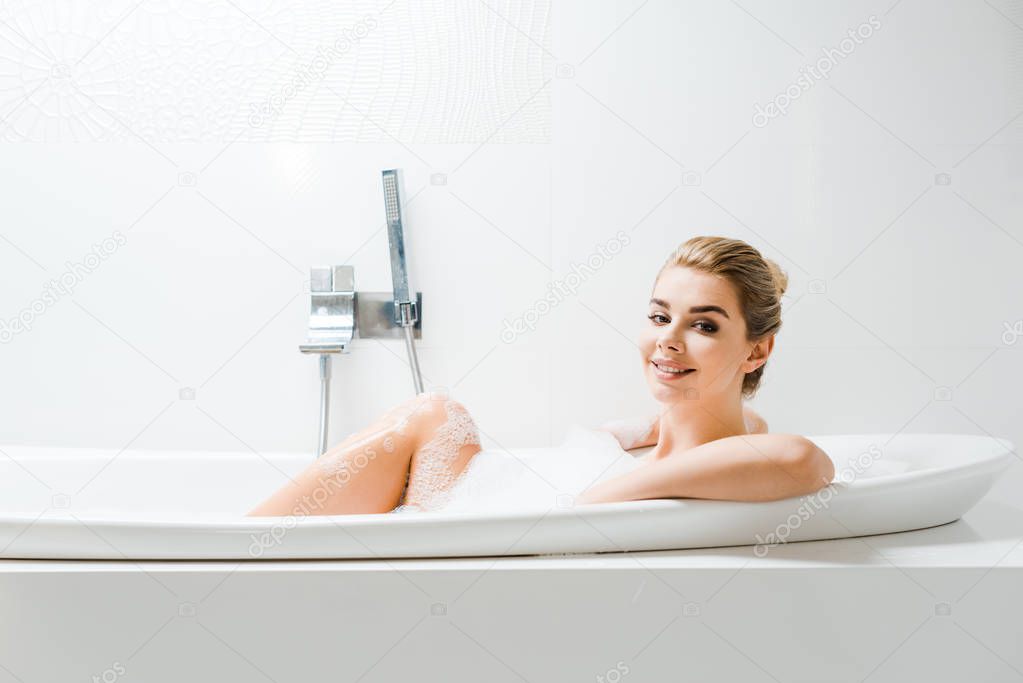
{"points": [[377, 316], [338, 313]]}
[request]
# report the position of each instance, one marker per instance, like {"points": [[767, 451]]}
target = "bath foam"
{"points": [[537, 478], [430, 487], [630, 431]]}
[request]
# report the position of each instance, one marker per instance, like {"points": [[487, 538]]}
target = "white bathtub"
{"points": [[101, 504]]}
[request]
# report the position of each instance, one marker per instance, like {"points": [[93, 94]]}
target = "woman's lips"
{"points": [[670, 375]]}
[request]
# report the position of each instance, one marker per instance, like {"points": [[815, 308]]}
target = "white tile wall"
{"points": [[530, 132], [555, 125]]}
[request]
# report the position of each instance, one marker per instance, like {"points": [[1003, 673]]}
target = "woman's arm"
{"points": [[751, 467]]}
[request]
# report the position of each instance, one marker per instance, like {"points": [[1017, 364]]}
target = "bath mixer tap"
{"points": [[331, 328], [332, 309], [337, 312]]}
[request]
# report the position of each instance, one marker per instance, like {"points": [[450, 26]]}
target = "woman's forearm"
{"points": [[752, 467]]}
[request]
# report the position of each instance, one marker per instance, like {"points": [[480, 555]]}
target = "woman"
{"points": [[713, 316]]}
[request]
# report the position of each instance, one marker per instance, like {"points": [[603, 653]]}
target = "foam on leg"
{"points": [[432, 472]]}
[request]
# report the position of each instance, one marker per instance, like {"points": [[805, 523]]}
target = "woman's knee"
{"points": [[446, 448], [419, 418], [434, 406], [456, 422]]}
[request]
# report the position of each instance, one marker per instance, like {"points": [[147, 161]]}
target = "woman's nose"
{"points": [[668, 341]]}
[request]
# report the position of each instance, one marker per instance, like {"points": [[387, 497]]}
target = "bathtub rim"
{"points": [[993, 464]]}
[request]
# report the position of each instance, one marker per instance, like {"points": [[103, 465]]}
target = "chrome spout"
{"points": [[331, 328], [331, 310]]}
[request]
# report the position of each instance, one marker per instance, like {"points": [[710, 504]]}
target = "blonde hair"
{"points": [[758, 281]]}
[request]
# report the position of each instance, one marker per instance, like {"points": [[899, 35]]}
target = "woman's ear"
{"points": [[760, 352]]}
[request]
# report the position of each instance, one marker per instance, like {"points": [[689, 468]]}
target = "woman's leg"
{"points": [[363, 473], [437, 463], [367, 472]]}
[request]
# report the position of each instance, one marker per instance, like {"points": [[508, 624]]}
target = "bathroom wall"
{"points": [[171, 170]]}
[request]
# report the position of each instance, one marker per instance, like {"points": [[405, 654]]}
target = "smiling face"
{"points": [[695, 324]]}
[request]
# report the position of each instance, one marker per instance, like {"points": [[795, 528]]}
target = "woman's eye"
{"points": [[704, 325]]}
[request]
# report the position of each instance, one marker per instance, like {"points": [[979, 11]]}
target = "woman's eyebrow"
{"points": [[708, 308]]}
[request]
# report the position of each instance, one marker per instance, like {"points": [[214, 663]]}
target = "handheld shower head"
{"points": [[405, 309], [405, 312]]}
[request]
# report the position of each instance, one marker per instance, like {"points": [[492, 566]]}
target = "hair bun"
{"points": [[781, 280]]}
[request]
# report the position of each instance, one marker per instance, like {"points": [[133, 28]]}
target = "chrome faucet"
{"points": [[331, 328], [337, 313], [331, 309]]}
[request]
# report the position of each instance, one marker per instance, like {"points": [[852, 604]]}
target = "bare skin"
{"points": [[703, 447], [707, 444], [641, 432], [367, 472]]}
